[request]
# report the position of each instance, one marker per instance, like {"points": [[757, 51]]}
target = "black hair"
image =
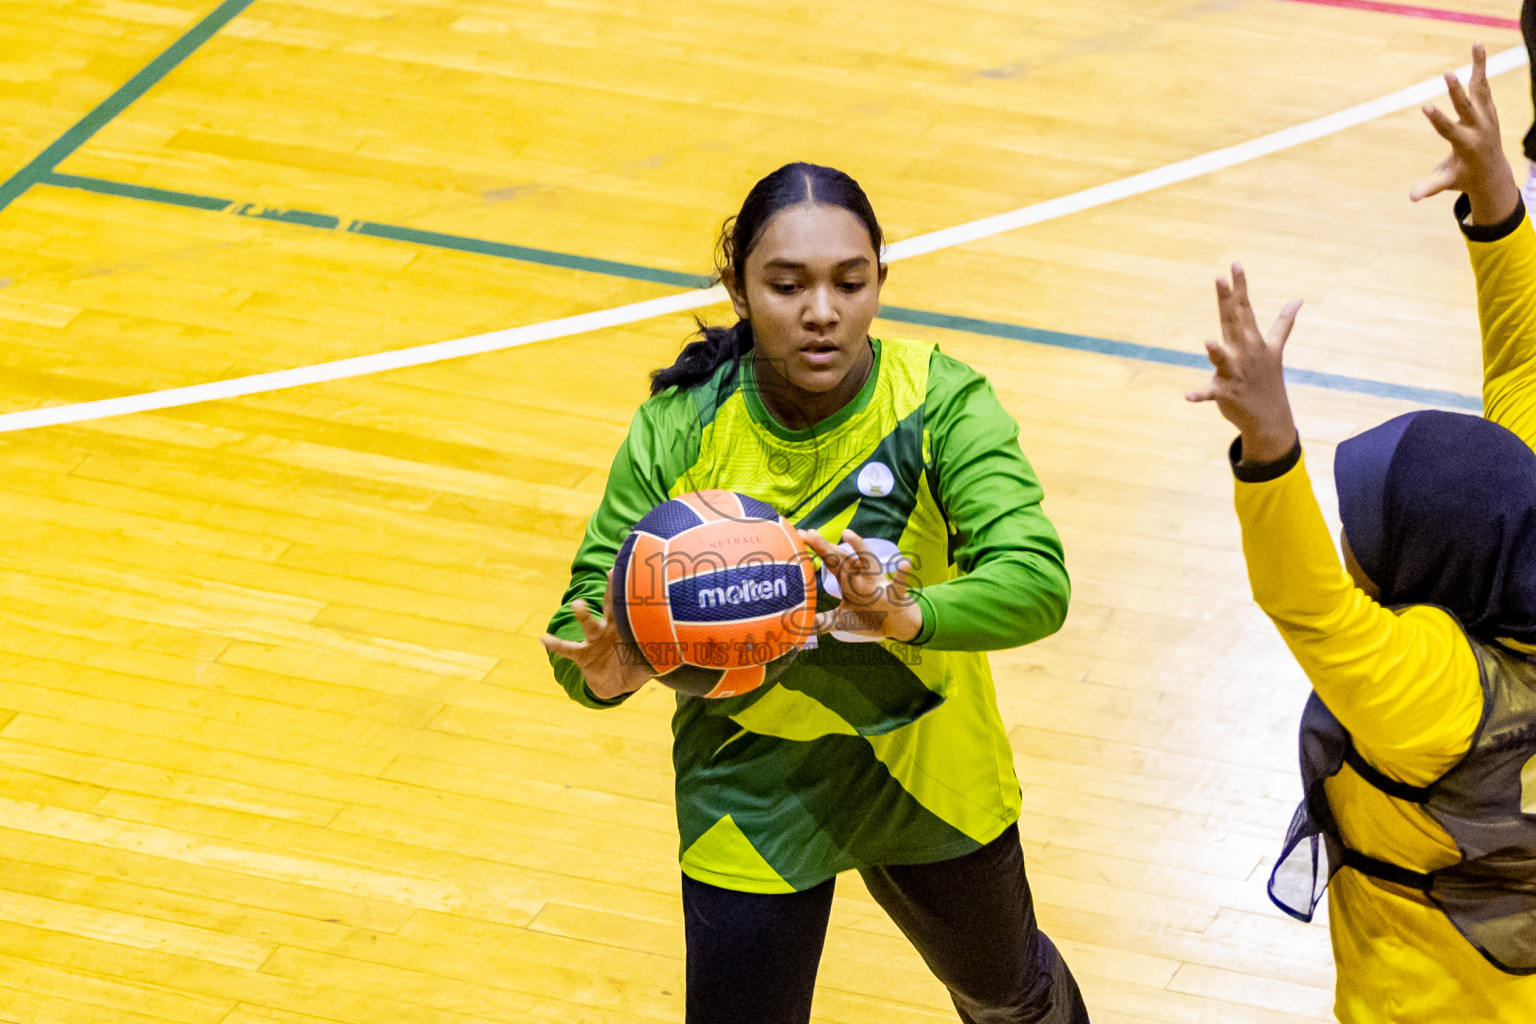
{"points": [[790, 185]]}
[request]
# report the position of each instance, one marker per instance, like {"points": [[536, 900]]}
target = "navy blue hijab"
{"points": [[1440, 508]]}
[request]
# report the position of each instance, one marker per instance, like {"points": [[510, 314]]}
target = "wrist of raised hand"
{"points": [[1494, 197], [1269, 443]]}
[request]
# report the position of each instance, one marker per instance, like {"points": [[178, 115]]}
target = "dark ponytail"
{"points": [[790, 185], [699, 359]]}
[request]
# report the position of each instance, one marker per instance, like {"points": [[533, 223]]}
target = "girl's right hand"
{"points": [[1249, 383], [610, 669], [1477, 164]]}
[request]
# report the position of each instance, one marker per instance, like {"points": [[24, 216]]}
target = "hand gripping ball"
{"points": [[716, 592]]}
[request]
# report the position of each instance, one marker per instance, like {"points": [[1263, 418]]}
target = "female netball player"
{"points": [[1419, 742], [853, 761]]}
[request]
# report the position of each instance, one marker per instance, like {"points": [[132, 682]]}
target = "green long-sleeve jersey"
{"points": [[860, 753]]}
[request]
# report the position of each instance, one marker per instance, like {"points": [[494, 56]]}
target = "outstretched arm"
{"points": [[1503, 250], [1405, 686], [1013, 588]]}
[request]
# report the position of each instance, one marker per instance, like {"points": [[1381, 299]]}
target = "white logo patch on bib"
{"points": [[876, 480]]}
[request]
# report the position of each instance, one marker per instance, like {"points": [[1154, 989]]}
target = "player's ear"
{"points": [[880, 278], [734, 290]]}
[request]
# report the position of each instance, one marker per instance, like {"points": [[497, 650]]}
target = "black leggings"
{"points": [[752, 958]]}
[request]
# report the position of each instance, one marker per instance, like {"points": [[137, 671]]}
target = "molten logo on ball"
{"points": [[696, 598], [748, 591]]}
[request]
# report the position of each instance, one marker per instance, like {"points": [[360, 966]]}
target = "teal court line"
{"points": [[44, 163], [635, 272]]}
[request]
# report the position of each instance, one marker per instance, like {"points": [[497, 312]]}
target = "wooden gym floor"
{"points": [[277, 744]]}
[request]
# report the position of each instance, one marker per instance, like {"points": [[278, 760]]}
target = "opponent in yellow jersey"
{"points": [[1407, 686]]}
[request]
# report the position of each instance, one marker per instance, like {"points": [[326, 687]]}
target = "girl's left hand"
{"points": [[1477, 164], [875, 604]]}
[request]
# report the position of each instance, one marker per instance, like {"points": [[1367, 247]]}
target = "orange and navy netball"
{"points": [[716, 592]]}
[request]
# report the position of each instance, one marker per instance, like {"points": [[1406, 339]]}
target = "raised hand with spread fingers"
{"points": [[1477, 164], [1248, 386]]}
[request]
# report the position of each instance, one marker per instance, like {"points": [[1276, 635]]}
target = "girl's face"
{"points": [[811, 289]]}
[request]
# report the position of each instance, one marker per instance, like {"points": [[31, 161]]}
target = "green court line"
{"points": [[117, 188], [115, 104], [548, 257], [1173, 357], [393, 232], [191, 200], [634, 272], [304, 217]]}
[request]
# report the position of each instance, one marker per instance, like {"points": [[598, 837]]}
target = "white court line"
{"points": [[358, 366], [1264, 145], [1099, 195]]}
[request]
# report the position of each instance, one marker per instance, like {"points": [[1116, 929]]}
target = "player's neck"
{"points": [[797, 408]]}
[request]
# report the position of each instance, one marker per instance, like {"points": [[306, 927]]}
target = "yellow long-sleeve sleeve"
{"points": [[1405, 686], [1504, 262]]}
